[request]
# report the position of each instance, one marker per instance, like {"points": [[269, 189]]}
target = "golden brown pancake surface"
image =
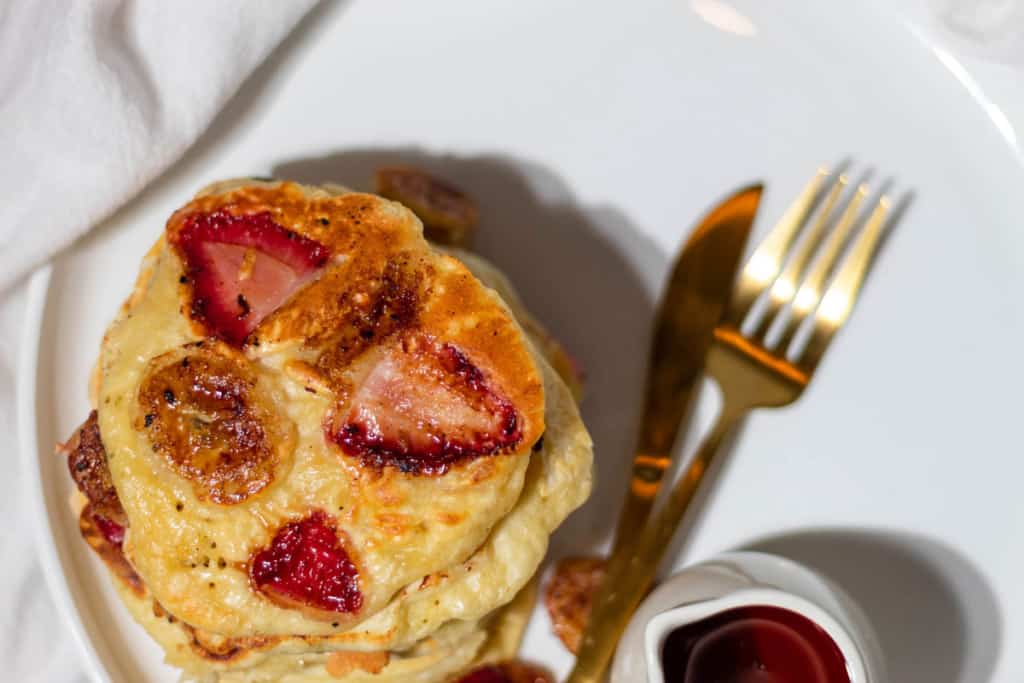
{"points": [[303, 370]]}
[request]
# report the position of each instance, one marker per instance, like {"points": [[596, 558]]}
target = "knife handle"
{"points": [[632, 570], [645, 481]]}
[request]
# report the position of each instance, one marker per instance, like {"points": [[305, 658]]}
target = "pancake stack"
{"points": [[324, 449]]}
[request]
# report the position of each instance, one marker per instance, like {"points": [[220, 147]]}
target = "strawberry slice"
{"points": [[111, 530], [422, 406], [242, 268], [307, 566], [507, 672]]}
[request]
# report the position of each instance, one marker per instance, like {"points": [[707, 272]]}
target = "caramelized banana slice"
{"points": [[206, 415]]}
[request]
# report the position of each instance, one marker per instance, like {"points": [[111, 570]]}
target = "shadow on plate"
{"points": [[584, 271], [936, 617]]}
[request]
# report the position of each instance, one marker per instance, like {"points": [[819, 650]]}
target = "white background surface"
{"points": [[593, 136]]}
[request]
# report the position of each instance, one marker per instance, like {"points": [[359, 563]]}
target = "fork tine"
{"points": [[838, 300], [809, 294], [784, 287], [766, 261]]}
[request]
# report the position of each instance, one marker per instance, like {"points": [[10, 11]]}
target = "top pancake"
{"points": [[305, 408]]}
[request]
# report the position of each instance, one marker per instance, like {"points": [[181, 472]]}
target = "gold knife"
{"points": [[695, 297]]}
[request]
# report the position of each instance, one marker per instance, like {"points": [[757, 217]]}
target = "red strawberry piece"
{"points": [[422, 406], [111, 530], [307, 566], [106, 538], [487, 674], [507, 672], [242, 268]]}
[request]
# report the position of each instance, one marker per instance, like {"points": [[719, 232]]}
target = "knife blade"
{"points": [[694, 299]]}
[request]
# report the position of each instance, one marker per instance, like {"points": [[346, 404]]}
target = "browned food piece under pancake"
{"points": [[570, 595], [102, 520], [87, 462], [109, 551], [449, 216]]}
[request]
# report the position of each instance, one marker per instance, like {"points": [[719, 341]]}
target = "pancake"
{"points": [[227, 447], [325, 449], [558, 480]]}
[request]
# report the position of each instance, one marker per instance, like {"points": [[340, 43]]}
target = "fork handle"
{"points": [[631, 573]]}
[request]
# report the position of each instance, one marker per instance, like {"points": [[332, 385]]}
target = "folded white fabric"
{"points": [[98, 97]]}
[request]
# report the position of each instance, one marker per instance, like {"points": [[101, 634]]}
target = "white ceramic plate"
{"points": [[593, 135]]}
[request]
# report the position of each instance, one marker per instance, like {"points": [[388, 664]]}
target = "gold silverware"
{"points": [[694, 299], [768, 367]]}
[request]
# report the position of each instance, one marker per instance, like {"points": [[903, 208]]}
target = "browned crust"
{"points": [[386, 306], [570, 595], [212, 648], [341, 664], [87, 463], [223, 650]]}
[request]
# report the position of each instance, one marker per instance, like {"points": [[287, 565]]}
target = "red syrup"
{"points": [[757, 644]]}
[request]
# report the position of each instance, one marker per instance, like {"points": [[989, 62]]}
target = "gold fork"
{"points": [[768, 367]]}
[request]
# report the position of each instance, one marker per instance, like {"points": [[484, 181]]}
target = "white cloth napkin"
{"points": [[97, 98]]}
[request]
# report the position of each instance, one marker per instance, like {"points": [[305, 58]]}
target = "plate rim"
{"points": [[26, 405]]}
